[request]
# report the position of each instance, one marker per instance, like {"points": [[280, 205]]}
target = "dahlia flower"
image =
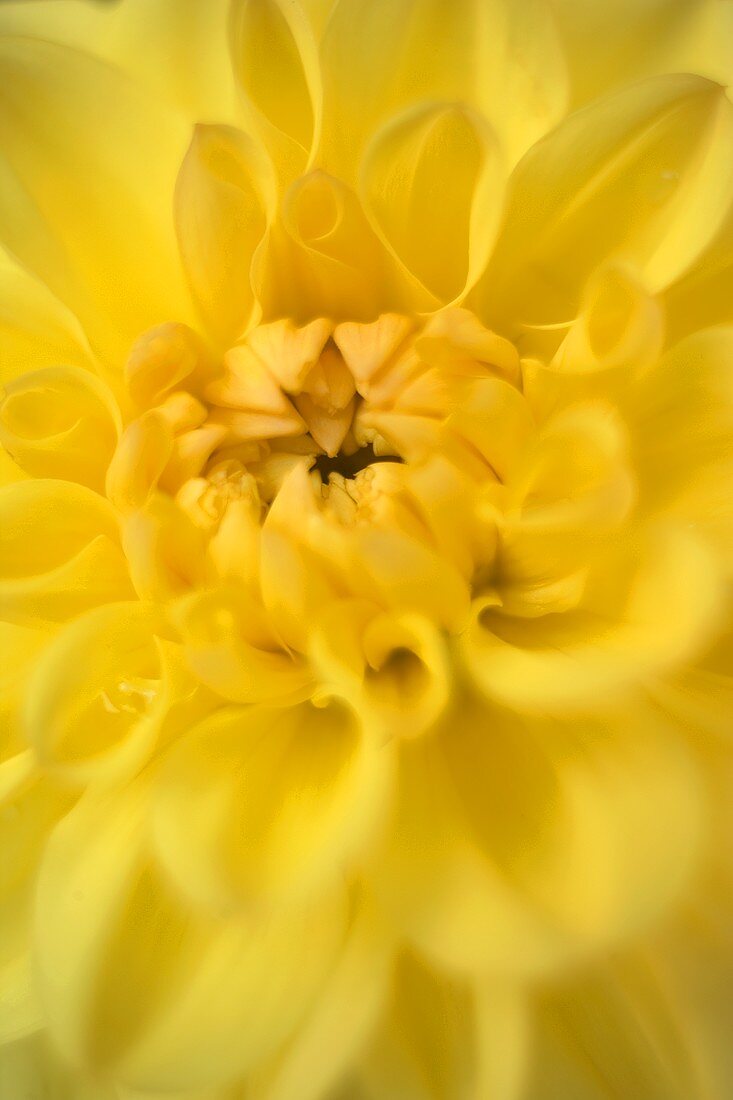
{"points": [[366, 549]]}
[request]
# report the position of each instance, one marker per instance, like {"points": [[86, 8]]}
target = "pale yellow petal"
{"points": [[290, 797], [223, 204], [432, 183], [644, 174], [102, 238], [59, 551], [138, 987]]}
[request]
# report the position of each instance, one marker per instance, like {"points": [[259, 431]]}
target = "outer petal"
{"points": [[86, 176], [138, 988], [59, 551], [644, 173], [606, 44], [441, 1039], [263, 803], [517, 876], [380, 58], [187, 69]]}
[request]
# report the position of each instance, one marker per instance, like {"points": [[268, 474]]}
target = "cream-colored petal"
{"points": [[432, 183], [99, 236], [290, 797], [223, 204], [138, 987], [644, 174]]}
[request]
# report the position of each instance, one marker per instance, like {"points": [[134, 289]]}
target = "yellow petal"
{"points": [[223, 204], [275, 61], [35, 329], [432, 184], [644, 173], [290, 796], [704, 295], [642, 625], [189, 72], [72, 228], [379, 59], [60, 422], [442, 1039], [347, 1010], [619, 1030], [165, 550], [98, 694], [137, 986], [59, 551], [232, 649]]}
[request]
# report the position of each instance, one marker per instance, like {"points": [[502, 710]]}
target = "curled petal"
{"points": [[275, 61], [432, 184], [223, 205], [60, 422]]}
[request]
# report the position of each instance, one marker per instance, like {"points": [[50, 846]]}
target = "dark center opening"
{"points": [[350, 465]]}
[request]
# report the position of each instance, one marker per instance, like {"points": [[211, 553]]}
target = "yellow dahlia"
{"points": [[366, 549]]}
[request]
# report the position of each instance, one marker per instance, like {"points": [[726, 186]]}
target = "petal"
{"points": [[618, 1031], [704, 295], [35, 329], [98, 694], [379, 59], [232, 649], [223, 202], [620, 177], [442, 1039], [682, 421], [138, 987], [59, 551], [432, 184], [188, 70], [606, 45], [290, 796], [60, 422], [86, 176], [645, 625], [275, 61]]}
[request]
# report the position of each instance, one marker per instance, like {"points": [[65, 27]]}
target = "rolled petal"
{"points": [[432, 183], [223, 204], [290, 797], [60, 422], [645, 625]]}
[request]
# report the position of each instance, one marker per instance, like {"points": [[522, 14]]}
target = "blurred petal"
{"points": [[72, 229], [268, 803], [645, 173]]}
